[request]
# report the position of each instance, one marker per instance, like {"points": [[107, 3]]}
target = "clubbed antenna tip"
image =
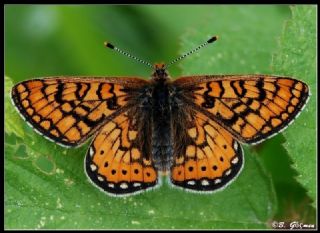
{"points": [[212, 39], [109, 45]]}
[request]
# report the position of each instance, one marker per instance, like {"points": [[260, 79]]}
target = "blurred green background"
{"points": [[45, 190]]}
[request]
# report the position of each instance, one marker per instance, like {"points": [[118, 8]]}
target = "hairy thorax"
{"points": [[161, 120]]}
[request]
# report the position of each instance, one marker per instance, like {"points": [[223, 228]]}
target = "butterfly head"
{"points": [[160, 71]]}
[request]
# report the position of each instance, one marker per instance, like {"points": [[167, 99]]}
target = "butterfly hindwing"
{"points": [[205, 156], [119, 159], [251, 107], [69, 110]]}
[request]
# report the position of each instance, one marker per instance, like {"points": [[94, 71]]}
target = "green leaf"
{"points": [[247, 38], [12, 121], [296, 57]]}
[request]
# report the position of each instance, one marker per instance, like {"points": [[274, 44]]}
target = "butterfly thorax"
{"points": [[161, 118]]}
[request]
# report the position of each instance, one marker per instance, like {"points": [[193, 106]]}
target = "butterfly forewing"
{"points": [[69, 110], [251, 107]]}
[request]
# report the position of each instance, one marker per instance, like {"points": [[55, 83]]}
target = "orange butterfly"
{"points": [[190, 127]]}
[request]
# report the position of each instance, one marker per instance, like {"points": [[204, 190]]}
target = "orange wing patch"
{"points": [[210, 160], [252, 108], [68, 111], [117, 161]]}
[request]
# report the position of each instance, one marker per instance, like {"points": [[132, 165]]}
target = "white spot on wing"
{"points": [[217, 181], [235, 145], [228, 172], [91, 152], [100, 178], [205, 182], [93, 167], [235, 160], [136, 184], [191, 182], [124, 185]]}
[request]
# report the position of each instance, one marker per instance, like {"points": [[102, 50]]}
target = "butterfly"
{"points": [[189, 128]]}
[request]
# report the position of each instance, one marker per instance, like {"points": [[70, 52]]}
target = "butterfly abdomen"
{"points": [[161, 118]]}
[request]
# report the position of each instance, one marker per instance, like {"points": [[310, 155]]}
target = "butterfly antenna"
{"points": [[111, 46], [211, 40]]}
